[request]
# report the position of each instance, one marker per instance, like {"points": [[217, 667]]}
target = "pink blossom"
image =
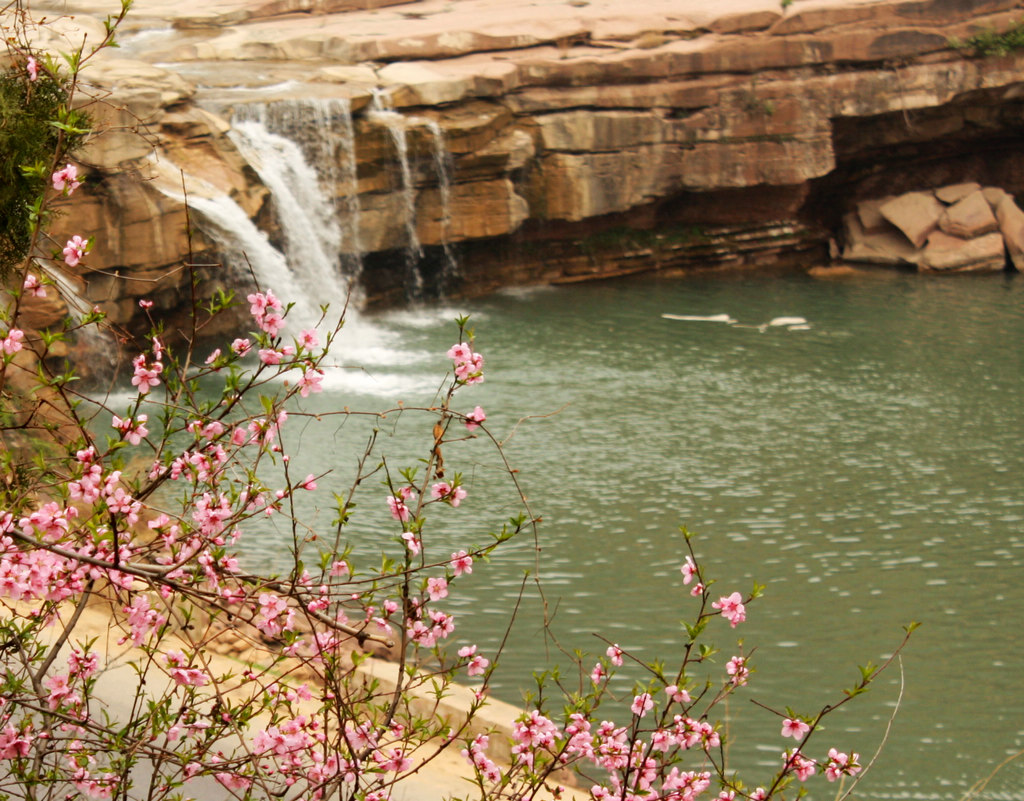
{"points": [[11, 344], [738, 670], [397, 762], [33, 286], [132, 431], [795, 728], [413, 544], [615, 655], [145, 304], [642, 704], [308, 483], [803, 767], [469, 365], [75, 250], [437, 588], [145, 377], [676, 694], [477, 664], [399, 510], [241, 346], [269, 356], [460, 352], [689, 570], [475, 418], [233, 781], [65, 180], [339, 568], [598, 674], [32, 68], [310, 382], [61, 692], [461, 563], [444, 491], [15, 743], [732, 608], [266, 310], [308, 339], [213, 356], [840, 764]]}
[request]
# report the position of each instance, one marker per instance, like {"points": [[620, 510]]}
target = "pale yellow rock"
{"points": [[951, 194], [916, 214], [884, 247], [871, 218], [428, 86], [950, 253], [969, 217], [1011, 226]]}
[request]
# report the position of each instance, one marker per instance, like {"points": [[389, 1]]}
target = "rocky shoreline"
{"points": [[581, 139]]}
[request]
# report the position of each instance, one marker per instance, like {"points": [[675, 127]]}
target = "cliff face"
{"points": [[584, 138]]}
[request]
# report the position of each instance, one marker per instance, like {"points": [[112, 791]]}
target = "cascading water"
{"points": [[396, 124], [323, 131], [443, 164], [308, 221]]}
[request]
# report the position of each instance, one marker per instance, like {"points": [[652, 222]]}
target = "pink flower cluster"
{"points": [[475, 418], [840, 764], [33, 286], [477, 756], [266, 309], [75, 250], [477, 665], [66, 180], [11, 344], [146, 375], [732, 608], [450, 494], [131, 430], [795, 728], [469, 365]]}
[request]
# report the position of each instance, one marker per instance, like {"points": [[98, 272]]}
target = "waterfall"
{"points": [[323, 132], [246, 246], [396, 125], [443, 165]]}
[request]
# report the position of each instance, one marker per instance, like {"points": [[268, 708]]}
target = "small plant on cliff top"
{"points": [[144, 510], [991, 42]]}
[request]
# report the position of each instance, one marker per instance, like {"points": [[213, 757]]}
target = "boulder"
{"points": [[947, 253], [916, 214], [969, 217], [884, 247], [871, 218], [955, 192], [1011, 226]]}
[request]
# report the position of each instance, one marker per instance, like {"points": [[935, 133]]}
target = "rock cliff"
{"points": [[581, 138]]}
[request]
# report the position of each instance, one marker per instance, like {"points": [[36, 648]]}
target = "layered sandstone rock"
{"points": [[563, 120]]}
